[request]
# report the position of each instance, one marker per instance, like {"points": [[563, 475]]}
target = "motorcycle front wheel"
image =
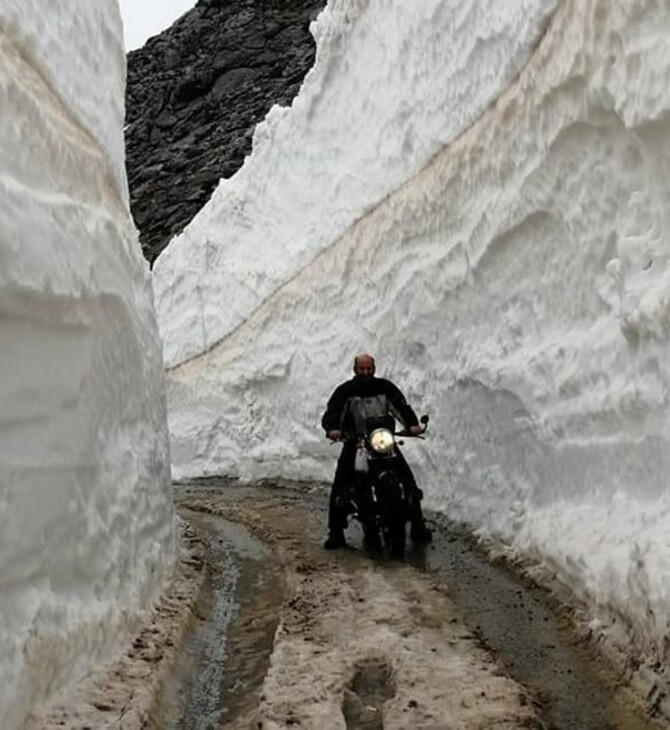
{"points": [[392, 511], [368, 518]]}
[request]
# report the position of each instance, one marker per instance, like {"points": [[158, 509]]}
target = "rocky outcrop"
{"points": [[194, 96]]}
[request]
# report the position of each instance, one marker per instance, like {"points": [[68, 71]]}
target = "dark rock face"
{"points": [[195, 94]]}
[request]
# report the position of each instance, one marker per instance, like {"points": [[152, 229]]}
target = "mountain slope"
{"points": [[194, 96]]}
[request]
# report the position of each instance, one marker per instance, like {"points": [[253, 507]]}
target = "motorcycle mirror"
{"points": [[424, 419]]}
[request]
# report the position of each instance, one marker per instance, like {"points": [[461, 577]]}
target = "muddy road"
{"points": [[352, 640], [262, 628]]}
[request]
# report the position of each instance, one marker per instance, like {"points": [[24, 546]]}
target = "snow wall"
{"points": [[86, 521], [515, 285]]}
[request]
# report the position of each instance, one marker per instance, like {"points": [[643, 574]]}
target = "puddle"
{"points": [[223, 662]]}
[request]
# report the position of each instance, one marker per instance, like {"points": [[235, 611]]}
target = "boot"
{"points": [[335, 540], [419, 533]]}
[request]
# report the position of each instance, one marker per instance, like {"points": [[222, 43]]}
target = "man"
{"points": [[339, 419]]}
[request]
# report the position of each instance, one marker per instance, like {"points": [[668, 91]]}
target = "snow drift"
{"points": [[86, 521], [516, 286], [392, 83]]}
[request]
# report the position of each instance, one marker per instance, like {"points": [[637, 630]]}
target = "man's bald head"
{"points": [[364, 365]]}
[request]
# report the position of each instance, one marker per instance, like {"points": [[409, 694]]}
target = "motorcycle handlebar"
{"points": [[399, 434]]}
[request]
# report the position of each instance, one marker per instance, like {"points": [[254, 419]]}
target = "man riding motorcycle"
{"points": [[340, 419]]}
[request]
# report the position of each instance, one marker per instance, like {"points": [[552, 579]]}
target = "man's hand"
{"points": [[415, 430], [333, 435]]}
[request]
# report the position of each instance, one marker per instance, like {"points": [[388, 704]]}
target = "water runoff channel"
{"points": [[226, 655], [222, 665]]}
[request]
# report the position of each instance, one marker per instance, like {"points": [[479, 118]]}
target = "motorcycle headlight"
{"points": [[381, 440]]}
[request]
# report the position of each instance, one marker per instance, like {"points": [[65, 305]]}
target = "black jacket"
{"points": [[338, 417]]}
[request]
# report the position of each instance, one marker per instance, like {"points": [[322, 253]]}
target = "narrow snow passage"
{"points": [[413, 630], [443, 639], [362, 644], [517, 289]]}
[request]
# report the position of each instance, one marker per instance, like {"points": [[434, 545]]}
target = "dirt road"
{"points": [[274, 632], [363, 644]]}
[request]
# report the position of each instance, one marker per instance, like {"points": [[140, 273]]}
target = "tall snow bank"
{"points": [[517, 289], [393, 81], [86, 514], [83, 35]]}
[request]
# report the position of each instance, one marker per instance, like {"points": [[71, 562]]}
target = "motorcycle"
{"points": [[378, 498]]}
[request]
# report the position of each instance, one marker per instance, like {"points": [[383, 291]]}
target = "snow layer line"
{"points": [[72, 59], [392, 83], [517, 288], [86, 533]]}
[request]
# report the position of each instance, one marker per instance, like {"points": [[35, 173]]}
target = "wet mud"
{"points": [[539, 647], [372, 684], [361, 643], [463, 602], [261, 628], [225, 657]]}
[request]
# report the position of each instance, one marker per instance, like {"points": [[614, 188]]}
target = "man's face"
{"points": [[364, 368]]}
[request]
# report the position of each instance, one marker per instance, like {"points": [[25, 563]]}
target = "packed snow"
{"points": [[515, 285], [344, 145], [86, 525]]}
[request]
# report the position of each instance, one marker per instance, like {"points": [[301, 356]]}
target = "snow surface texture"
{"points": [[516, 288], [86, 534], [345, 143], [82, 35]]}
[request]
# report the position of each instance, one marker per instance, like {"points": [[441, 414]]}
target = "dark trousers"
{"points": [[345, 476]]}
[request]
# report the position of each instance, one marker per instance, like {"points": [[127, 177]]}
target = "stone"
{"points": [[195, 94]]}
